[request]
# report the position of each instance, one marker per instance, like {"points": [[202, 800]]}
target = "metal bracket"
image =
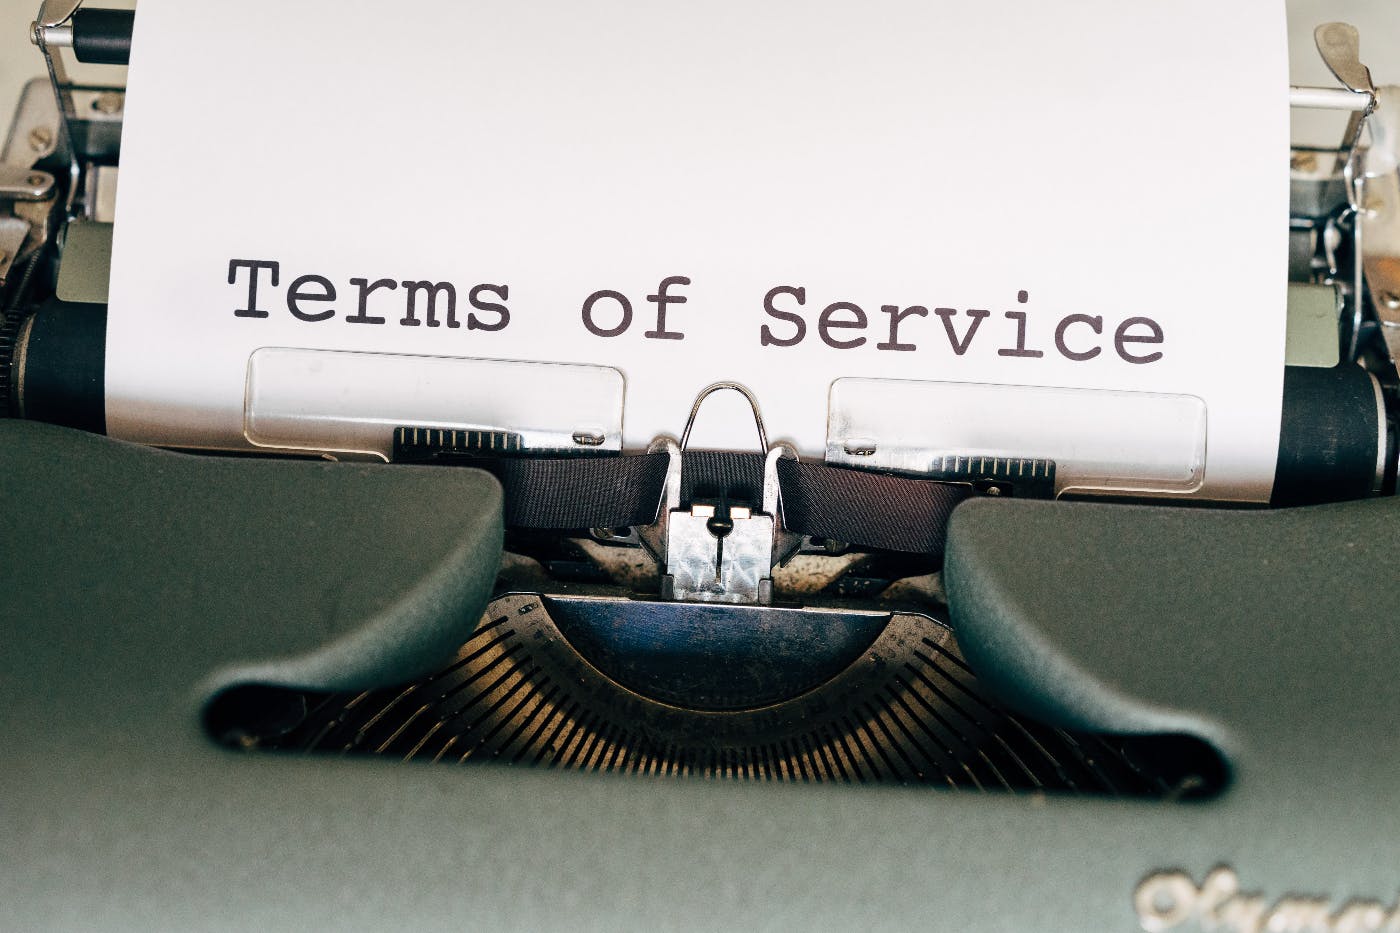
{"points": [[719, 554], [53, 22], [717, 551], [1339, 45], [27, 193], [722, 553], [24, 184]]}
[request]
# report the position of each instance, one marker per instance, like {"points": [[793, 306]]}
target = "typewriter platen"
{"points": [[1083, 716]]}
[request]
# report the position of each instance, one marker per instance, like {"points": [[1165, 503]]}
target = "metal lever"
{"points": [[1339, 44]]}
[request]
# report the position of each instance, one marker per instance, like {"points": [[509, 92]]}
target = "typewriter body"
{"points": [[490, 683]]}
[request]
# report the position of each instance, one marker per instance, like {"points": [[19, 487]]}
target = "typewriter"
{"points": [[515, 677]]}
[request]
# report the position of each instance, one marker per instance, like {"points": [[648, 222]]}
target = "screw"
{"points": [[36, 180], [108, 102], [40, 138]]}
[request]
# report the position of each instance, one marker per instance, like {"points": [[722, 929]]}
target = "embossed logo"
{"points": [[1171, 900]]}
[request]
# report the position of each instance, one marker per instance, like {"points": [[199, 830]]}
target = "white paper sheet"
{"points": [[1118, 161]]}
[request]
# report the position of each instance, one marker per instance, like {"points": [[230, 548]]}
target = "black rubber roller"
{"points": [[103, 37], [58, 368], [1333, 442]]}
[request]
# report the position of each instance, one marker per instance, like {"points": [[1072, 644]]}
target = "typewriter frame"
{"points": [[122, 809]]}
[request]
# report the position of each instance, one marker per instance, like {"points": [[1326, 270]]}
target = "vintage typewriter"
{"points": [[525, 682]]}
